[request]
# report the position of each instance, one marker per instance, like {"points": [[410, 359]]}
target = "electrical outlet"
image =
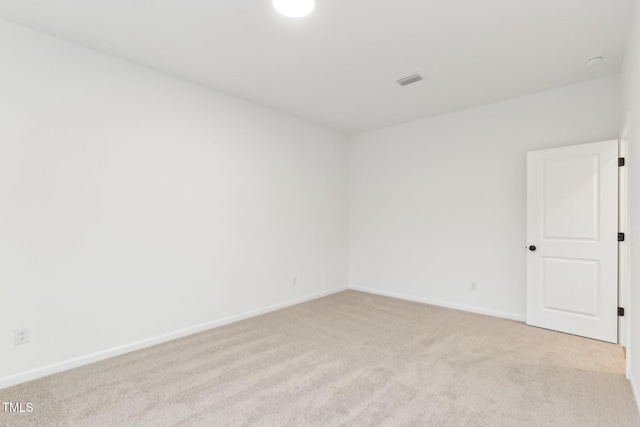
{"points": [[21, 336], [473, 286], [294, 281]]}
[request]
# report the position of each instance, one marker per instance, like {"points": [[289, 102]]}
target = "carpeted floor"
{"points": [[349, 359]]}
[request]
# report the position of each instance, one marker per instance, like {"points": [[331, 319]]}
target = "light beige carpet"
{"points": [[350, 359]]}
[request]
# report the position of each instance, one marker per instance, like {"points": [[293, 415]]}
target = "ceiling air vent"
{"points": [[409, 79]]}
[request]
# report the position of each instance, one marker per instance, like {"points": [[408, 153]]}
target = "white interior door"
{"points": [[572, 239]]}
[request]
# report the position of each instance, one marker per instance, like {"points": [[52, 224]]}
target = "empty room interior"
{"points": [[319, 212]]}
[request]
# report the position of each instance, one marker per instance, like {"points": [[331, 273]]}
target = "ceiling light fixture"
{"points": [[294, 8], [591, 62]]}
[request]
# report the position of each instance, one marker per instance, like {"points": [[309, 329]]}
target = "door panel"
{"points": [[570, 199], [572, 220], [570, 285]]}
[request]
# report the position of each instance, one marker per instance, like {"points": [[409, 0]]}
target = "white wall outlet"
{"points": [[294, 281], [21, 336], [473, 286]]}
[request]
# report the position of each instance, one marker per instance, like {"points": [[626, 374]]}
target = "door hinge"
{"points": [[620, 237], [620, 161], [621, 311]]}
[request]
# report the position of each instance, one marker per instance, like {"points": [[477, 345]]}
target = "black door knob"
{"points": [[532, 248]]}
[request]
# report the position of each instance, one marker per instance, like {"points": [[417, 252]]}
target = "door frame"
{"points": [[624, 262]]}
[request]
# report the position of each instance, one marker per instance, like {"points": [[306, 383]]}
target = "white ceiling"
{"points": [[338, 66]]}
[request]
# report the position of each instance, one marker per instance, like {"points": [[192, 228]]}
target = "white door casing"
{"points": [[572, 220]]}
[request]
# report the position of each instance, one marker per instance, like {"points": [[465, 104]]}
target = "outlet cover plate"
{"points": [[21, 336]]}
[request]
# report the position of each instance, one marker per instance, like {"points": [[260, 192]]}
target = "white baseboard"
{"points": [[472, 309], [117, 351], [634, 390]]}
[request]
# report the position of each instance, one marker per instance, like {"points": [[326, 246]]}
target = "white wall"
{"points": [[631, 131], [135, 207], [439, 203]]}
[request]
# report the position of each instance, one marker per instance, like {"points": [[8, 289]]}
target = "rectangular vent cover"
{"points": [[409, 79]]}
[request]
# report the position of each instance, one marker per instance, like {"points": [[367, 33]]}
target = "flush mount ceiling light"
{"points": [[294, 8], [591, 62]]}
